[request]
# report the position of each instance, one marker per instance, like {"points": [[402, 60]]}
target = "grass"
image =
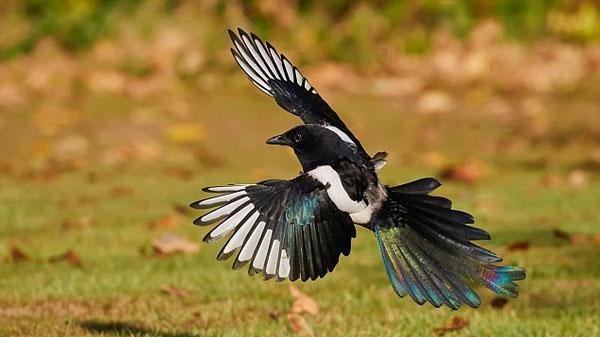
{"points": [[117, 291]]}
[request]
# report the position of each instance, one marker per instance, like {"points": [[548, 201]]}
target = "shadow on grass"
{"points": [[128, 329]]}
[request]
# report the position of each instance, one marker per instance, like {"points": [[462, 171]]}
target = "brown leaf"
{"points": [[499, 302], [518, 245], [77, 223], [171, 290], [435, 102], [578, 179], [6, 169], [274, 314], [70, 256], [552, 180], [560, 234], [121, 191], [299, 325], [578, 239], [182, 209], [457, 323], [17, 254], [469, 172], [206, 157], [302, 303], [167, 222], [179, 172], [168, 244]]}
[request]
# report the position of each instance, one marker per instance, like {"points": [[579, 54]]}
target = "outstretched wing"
{"points": [[277, 77], [283, 228]]}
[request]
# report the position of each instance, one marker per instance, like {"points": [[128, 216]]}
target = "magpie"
{"points": [[297, 229]]}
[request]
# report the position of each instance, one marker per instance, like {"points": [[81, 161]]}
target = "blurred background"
{"points": [[113, 115]]}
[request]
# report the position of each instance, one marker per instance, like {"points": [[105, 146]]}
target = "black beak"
{"points": [[278, 140]]}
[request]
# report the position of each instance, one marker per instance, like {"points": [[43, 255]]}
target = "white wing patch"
{"points": [[262, 63], [341, 134], [327, 175]]}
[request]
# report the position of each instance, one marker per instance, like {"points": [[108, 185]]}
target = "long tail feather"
{"points": [[427, 250]]}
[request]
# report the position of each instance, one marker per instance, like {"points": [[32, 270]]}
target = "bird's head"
{"points": [[315, 145]]}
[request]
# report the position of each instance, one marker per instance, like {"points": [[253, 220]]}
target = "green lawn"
{"points": [[117, 292]]}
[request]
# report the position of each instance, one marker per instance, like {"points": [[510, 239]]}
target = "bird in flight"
{"points": [[296, 229]]}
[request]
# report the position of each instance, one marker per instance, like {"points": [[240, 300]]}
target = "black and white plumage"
{"points": [[297, 229], [284, 228], [277, 77]]}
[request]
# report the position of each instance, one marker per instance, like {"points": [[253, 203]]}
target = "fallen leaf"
{"points": [[171, 290], [299, 325], [6, 169], [167, 222], [182, 209], [206, 157], [168, 244], [552, 180], [578, 239], [499, 302], [518, 245], [121, 191], [457, 323], [17, 254], [469, 172], [302, 303], [274, 314], [178, 172], [70, 256], [578, 179], [435, 102], [560, 234], [77, 223]]}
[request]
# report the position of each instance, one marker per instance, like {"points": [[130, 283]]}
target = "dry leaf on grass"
{"points": [[179, 172], [469, 172], [168, 244], [171, 290], [578, 179], [499, 302], [70, 256], [182, 209], [121, 191], [167, 222], [552, 180], [301, 304], [77, 223], [577, 239], [17, 254], [560, 234], [519, 245], [457, 323], [299, 325]]}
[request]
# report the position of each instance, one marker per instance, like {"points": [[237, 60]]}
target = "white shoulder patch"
{"points": [[327, 175], [341, 134]]}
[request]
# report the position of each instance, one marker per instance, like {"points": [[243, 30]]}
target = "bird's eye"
{"points": [[298, 138]]}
